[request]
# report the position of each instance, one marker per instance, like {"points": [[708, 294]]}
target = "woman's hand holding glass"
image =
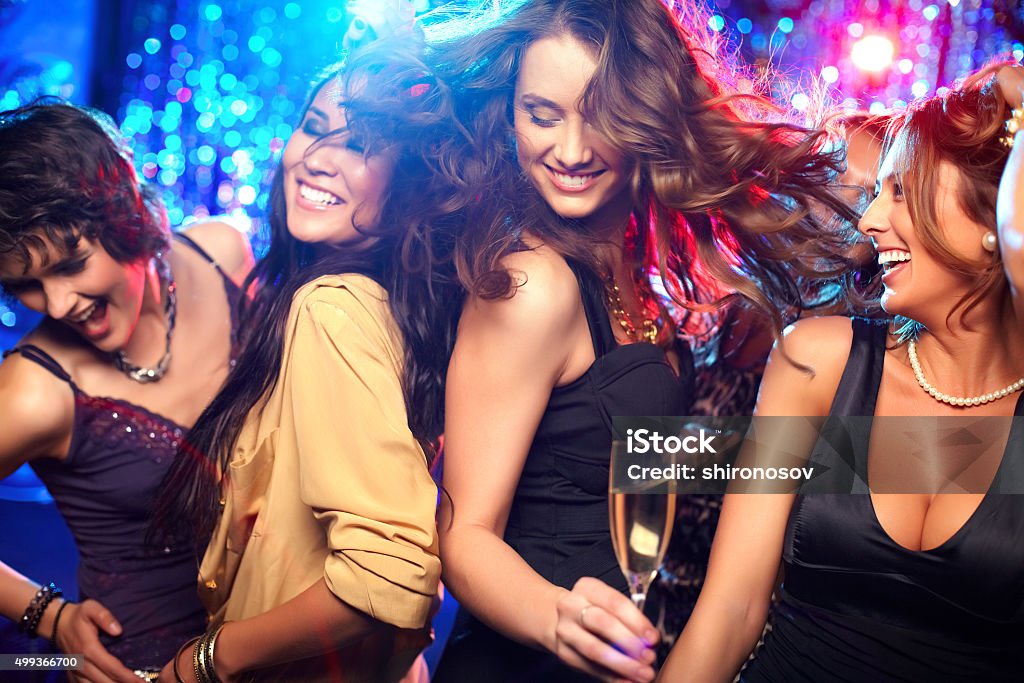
{"points": [[601, 631]]}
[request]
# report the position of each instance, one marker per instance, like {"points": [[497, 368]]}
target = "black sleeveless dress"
{"points": [[558, 521], [105, 489], [857, 606]]}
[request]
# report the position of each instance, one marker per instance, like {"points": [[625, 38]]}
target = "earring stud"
{"points": [[989, 242]]}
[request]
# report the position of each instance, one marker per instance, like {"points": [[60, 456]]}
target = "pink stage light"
{"points": [[873, 53]]}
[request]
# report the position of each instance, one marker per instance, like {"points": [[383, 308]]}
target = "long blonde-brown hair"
{"points": [[721, 196]]}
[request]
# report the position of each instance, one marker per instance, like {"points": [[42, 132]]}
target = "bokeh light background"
{"points": [[208, 91]]}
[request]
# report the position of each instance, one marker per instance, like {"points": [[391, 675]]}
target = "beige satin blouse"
{"points": [[326, 480]]}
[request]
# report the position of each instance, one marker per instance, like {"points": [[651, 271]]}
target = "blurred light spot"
{"points": [[872, 53], [271, 57], [247, 194]]}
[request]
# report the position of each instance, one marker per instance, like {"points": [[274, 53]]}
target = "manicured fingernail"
{"points": [[114, 628], [651, 636], [645, 673], [649, 656]]}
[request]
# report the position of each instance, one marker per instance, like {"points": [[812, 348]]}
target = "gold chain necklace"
{"points": [[650, 328]]}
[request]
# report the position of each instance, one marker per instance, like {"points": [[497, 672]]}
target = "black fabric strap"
{"points": [[858, 388], [592, 294], [182, 237], [40, 357]]}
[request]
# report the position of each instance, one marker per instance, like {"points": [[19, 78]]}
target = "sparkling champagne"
{"points": [[641, 525]]}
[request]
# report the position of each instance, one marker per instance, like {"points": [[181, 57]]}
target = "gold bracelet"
{"points": [[211, 642], [196, 650], [177, 655], [1013, 124], [202, 656]]}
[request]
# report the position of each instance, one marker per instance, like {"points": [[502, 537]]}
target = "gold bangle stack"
{"points": [[202, 656], [1013, 124]]}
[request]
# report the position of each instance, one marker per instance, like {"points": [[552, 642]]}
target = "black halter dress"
{"points": [[558, 521]]}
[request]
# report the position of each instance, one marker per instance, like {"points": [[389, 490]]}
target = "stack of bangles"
{"points": [[34, 612], [202, 657]]}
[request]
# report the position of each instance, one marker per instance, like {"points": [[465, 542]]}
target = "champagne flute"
{"points": [[641, 514]]}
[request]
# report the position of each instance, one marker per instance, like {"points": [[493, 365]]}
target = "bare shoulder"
{"points": [[545, 295], [36, 412], [226, 245], [804, 369], [820, 343], [531, 333]]}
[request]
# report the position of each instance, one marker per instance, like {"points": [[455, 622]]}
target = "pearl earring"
{"points": [[989, 242]]}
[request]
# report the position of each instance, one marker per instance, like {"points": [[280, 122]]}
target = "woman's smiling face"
{"points": [[577, 171], [85, 288], [332, 188]]}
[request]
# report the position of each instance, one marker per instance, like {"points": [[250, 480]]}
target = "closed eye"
{"points": [[70, 267]]}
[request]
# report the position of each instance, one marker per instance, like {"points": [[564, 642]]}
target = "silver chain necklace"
{"points": [[147, 375]]}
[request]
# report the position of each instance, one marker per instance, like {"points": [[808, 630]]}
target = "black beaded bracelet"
{"points": [[34, 612]]}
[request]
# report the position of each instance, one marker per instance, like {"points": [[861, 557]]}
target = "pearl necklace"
{"points": [[956, 400]]}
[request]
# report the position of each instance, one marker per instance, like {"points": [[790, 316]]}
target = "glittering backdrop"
{"points": [[208, 90], [875, 53]]}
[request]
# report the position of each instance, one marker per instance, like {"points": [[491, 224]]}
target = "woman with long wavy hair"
{"points": [[915, 573], [310, 468], [612, 162]]}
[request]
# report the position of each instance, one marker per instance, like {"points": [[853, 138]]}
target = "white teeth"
{"points": [[85, 314], [573, 180], [893, 256], [318, 196]]}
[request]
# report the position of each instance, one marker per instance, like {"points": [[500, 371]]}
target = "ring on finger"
{"points": [[583, 614]]}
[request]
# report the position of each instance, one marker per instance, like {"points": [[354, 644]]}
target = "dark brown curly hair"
{"points": [[66, 173]]}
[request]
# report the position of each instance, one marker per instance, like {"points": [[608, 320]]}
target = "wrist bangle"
{"points": [[34, 612], [56, 620], [1012, 125], [202, 656], [177, 656]]}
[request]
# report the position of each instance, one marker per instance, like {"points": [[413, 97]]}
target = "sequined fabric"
{"points": [[105, 490]]}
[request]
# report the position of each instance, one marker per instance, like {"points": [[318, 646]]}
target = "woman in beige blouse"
{"points": [[323, 560]]}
